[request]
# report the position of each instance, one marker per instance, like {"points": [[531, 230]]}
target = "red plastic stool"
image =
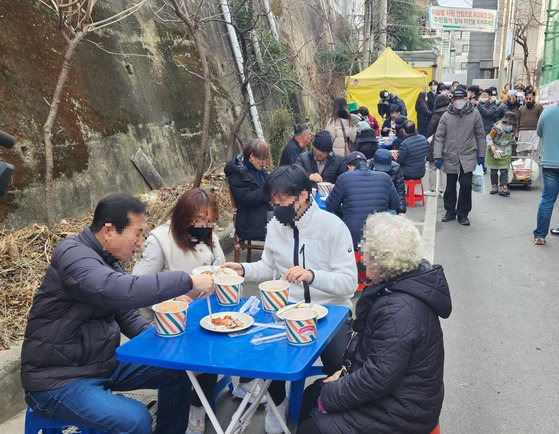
{"points": [[437, 429], [411, 197]]}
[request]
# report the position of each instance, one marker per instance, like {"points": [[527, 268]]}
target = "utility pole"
{"points": [[367, 33], [504, 37]]}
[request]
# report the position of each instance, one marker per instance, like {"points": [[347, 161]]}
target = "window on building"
{"points": [[465, 48], [464, 66]]}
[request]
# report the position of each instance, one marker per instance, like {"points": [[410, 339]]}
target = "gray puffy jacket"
{"points": [[83, 304], [460, 139]]}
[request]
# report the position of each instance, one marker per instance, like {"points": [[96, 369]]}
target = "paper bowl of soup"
{"points": [[213, 269], [274, 295], [228, 289], [170, 318], [300, 325], [324, 188]]}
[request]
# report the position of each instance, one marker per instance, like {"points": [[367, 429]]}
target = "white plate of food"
{"points": [[318, 308], [214, 269], [227, 322]]}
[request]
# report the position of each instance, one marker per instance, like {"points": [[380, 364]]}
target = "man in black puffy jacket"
{"points": [[68, 366], [391, 380], [413, 152], [383, 162], [360, 192], [321, 163]]}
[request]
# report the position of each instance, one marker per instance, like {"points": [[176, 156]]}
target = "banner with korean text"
{"points": [[462, 19]]}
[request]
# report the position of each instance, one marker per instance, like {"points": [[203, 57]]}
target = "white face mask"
{"points": [[483, 100], [459, 104]]}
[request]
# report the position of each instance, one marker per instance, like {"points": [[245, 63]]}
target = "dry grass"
{"points": [[25, 253]]}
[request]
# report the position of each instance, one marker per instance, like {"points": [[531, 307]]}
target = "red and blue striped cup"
{"points": [[274, 295], [228, 289], [300, 325], [170, 318]]}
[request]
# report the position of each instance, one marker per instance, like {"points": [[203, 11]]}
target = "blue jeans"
{"points": [[89, 402], [549, 196]]}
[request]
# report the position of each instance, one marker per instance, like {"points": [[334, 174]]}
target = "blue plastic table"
{"points": [[320, 202], [199, 350]]}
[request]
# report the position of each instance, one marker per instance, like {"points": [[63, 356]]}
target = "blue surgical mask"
{"points": [[507, 128]]}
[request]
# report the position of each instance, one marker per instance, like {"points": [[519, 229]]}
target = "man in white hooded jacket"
{"points": [[313, 250]]}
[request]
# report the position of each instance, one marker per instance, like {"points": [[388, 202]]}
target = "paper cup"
{"points": [[324, 188], [274, 295], [228, 290], [300, 325], [170, 318]]}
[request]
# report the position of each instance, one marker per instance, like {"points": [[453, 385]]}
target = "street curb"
{"points": [[11, 398]]}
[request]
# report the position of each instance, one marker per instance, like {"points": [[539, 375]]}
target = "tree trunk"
{"points": [[238, 122], [49, 123], [193, 30], [526, 67]]}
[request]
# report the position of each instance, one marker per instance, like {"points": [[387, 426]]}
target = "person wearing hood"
{"points": [[383, 162], [528, 116], [341, 128], [320, 162], [391, 379], [500, 141], [387, 100], [487, 107], [441, 106], [246, 176], [459, 147], [313, 250], [360, 192]]}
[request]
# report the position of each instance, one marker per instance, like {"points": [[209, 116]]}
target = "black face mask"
{"points": [[529, 105], [285, 214], [199, 234]]}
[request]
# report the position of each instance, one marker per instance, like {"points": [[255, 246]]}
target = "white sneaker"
{"points": [[196, 420], [441, 193], [271, 422], [241, 389], [430, 193]]}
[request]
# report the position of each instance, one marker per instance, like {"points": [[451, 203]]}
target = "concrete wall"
{"points": [[114, 104]]}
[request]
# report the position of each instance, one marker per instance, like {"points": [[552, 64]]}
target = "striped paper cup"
{"points": [[300, 325], [324, 188], [228, 289], [274, 294], [170, 318]]}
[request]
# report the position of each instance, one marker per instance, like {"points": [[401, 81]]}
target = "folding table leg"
{"points": [[295, 396], [277, 413], [205, 403], [239, 419]]}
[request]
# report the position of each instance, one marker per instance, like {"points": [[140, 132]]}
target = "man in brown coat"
{"points": [[459, 147], [527, 122]]}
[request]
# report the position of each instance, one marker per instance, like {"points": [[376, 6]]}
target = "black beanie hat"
{"points": [[323, 141]]}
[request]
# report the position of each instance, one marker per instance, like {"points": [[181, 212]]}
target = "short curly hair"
{"points": [[392, 244]]}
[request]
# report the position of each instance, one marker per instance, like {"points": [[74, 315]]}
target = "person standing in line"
{"points": [[297, 144], [432, 94], [441, 107], [423, 114], [487, 107], [549, 160], [528, 116], [341, 128], [510, 105], [459, 147]]}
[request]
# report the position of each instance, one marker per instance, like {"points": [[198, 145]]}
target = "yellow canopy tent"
{"points": [[390, 73]]}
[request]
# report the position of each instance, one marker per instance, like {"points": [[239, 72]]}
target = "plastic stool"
{"points": [[362, 280], [437, 429], [224, 383], [35, 423], [411, 197], [296, 392]]}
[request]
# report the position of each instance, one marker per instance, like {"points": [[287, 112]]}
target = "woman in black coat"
{"points": [[392, 375], [423, 114], [246, 177]]}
